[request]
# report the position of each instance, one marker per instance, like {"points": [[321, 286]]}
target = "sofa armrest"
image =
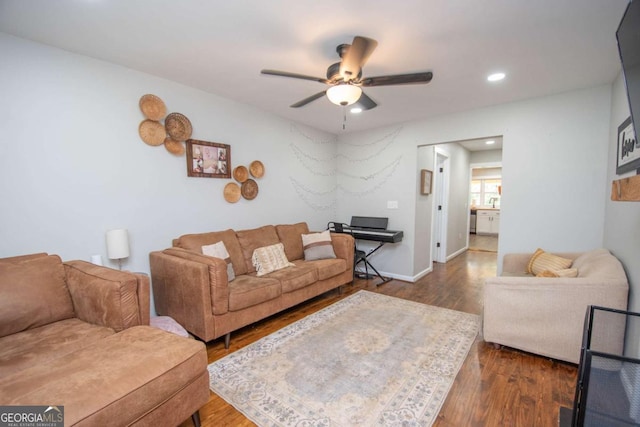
{"points": [[545, 315], [107, 297], [190, 287], [515, 263], [344, 246]]}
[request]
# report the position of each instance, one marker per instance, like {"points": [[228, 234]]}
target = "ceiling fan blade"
{"points": [[356, 56], [398, 79], [294, 75], [365, 102], [308, 100]]}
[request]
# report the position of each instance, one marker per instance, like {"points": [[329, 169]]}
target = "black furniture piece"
{"points": [[607, 388], [367, 228]]}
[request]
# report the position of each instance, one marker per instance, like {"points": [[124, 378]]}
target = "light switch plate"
{"points": [[392, 204]]}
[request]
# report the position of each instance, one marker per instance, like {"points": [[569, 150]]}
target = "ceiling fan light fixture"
{"points": [[344, 94]]}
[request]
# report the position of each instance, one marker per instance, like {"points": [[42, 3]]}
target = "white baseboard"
{"points": [[411, 279]]}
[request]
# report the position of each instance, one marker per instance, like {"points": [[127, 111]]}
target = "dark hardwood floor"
{"points": [[495, 387]]}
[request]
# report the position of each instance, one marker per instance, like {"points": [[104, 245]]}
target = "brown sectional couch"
{"points": [[194, 288], [74, 334]]}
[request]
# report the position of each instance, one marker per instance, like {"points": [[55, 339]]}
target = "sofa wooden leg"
{"points": [[227, 340], [195, 417]]}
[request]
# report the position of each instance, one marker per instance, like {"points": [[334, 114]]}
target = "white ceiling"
{"points": [[544, 46]]}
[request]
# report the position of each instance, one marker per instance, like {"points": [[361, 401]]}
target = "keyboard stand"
{"points": [[365, 260]]}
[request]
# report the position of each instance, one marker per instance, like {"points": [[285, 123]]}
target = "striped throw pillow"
{"points": [[317, 246], [541, 261]]}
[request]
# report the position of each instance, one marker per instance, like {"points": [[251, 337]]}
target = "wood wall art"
{"points": [[425, 181], [208, 159]]}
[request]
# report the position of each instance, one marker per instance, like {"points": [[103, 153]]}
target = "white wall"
{"points": [[486, 156], [73, 164], [422, 256], [622, 219], [554, 172], [458, 209]]}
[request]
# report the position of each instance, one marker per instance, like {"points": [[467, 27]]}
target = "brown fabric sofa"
{"points": [[194, 288], [74, 334], [545, 315]]}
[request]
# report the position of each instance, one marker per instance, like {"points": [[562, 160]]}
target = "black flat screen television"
{"points": [[628, 36]]}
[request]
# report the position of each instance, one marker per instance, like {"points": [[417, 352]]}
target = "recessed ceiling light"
{"points": [[356, 110], [489, 142], [496, 77]]}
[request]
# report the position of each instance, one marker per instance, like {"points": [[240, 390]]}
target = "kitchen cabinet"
{"points": [[487, 221]]}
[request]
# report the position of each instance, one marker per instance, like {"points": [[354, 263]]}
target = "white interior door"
{"points": [[441, 189]]}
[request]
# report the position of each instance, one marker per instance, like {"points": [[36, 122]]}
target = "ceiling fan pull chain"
{"points": [[344, 117]]}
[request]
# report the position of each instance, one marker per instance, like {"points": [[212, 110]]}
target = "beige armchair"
{"points": [[545, 315]]}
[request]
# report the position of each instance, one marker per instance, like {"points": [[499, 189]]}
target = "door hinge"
{"points": [[441, 170], [438, 245], [439, 207]]}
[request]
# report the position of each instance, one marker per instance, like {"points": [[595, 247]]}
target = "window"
{"points": [[484, 192]]}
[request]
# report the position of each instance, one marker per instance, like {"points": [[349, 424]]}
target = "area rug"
{"points": [[367, 360]]}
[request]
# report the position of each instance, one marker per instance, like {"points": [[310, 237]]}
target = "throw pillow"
{"points": [[317, 246], [270, 258], [567, 272], [219, 250], [541, 261]]}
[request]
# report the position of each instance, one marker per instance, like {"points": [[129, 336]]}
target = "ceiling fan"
{"points": [[345, 77]]}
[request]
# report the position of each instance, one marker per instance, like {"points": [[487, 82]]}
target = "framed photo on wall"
{"points": [[208, 159], [628, 157], [425, 181]]}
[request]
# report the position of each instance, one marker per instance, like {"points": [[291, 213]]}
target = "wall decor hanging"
{"points": [[240, 174], [249, 189], [232, 192], [152, 132], [157, 129], [425, 181], [152, 107], [178, 126], [257, 169], [174, 147], [208, 159], [628, 148]]}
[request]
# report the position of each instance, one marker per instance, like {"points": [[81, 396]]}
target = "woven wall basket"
{"points": [[232, 192], [152, 132], [178, 126], [152, 107], [174, 147]]}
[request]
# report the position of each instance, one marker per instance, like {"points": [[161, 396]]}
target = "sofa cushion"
{"points": [[541, 261], [250, 240], [248, 290], [195, 242], [290, 236], [296, 277], [34, 293], [218, 250], [118, 380], [326, 268], [270, 258], [38, 346], [317, 246]]}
